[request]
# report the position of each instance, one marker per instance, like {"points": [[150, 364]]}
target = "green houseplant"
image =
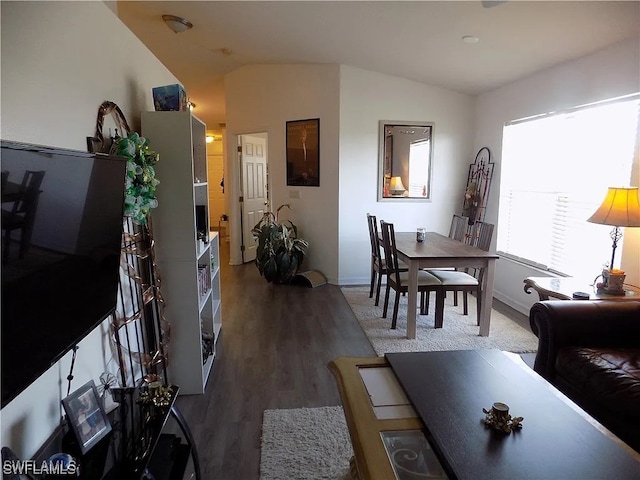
{"points": [[280, 252]]}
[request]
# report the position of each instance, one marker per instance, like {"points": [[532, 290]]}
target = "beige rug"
{"points": [[460, 332], [305, 444]]}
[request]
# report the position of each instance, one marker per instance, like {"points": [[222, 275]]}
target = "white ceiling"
{"points": [[421, 40]]}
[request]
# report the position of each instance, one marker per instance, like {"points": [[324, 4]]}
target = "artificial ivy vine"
{"points": [[141, 181]]}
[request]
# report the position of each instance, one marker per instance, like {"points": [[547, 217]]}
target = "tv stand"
{"points": [[139, 444]]}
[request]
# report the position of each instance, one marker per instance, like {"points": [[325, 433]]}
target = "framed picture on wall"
{"points": [[86, 416], [303, 152]]}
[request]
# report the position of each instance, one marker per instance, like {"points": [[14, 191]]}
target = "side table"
{"points": [[562, 288], [137, 448]]}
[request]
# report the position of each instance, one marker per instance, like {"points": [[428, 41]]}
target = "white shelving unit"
{"points": [[187, 253]]}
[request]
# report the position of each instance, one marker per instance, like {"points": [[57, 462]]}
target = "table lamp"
{"points": [[620, 208], [396, 187]]}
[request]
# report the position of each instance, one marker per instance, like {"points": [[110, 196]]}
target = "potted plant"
{"points": [[280, 252]]}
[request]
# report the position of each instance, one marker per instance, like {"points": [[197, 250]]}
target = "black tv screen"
{"points": [[60, 268]]}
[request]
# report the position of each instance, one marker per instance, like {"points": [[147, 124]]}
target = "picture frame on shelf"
{"points": [[86, 416], [303, 152]]}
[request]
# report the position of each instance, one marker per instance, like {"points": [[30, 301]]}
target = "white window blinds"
{"points": [[555, 172]]}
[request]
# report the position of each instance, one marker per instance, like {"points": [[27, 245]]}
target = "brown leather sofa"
{"points": [[590, 350]]}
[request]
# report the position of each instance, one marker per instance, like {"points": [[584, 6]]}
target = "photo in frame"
{"points": [[303, 152], [86, 416]]}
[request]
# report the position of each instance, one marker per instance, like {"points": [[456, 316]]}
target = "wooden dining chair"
{"points": [[378, 263], [399, 280], [458, 231], [469, 280], [458, 227], [22, 213]]}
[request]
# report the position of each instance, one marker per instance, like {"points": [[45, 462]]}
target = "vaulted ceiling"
{"points": [[421, 41]]}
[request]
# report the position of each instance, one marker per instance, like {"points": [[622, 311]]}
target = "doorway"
{"points": [[254, 180]]}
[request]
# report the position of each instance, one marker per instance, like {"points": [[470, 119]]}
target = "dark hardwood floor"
{"points": [[274, 349]]}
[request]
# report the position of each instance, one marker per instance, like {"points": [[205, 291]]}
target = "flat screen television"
{"points": [[64, 282]]}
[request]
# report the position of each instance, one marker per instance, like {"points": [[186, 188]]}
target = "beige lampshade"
{"points": [[396, 186], [620, 208]]}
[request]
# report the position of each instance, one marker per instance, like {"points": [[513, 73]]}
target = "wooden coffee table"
{"points": [[439, 396]]}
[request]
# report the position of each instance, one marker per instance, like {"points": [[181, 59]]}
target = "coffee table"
{"points": [[439, 396]]}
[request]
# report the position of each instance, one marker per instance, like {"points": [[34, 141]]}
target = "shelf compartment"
{"points": [[204, 282]]}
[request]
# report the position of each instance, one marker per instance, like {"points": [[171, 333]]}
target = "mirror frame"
{"points": [[382, 153]]}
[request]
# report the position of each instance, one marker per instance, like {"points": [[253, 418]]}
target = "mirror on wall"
{"points": [[405, 154]]}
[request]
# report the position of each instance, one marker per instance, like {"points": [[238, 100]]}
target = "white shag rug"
{"points": [[459, 332], [305, 444]]}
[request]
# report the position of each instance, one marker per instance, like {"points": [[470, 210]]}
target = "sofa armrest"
{"points": [[582, 323]]}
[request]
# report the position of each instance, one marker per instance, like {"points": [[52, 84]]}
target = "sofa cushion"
{"points": [[610, 377]]}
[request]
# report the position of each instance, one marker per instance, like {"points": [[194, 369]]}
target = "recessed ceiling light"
{"points": [[177, 24], [470, 39]]}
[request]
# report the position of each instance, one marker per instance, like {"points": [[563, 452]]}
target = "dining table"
{"points": [[438, 251]]}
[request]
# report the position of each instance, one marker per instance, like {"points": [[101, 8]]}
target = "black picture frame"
{"points": [[86, 416], [303, 152]]}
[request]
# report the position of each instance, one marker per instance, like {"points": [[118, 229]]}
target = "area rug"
{"points": [[305, 444], [459, 332]]}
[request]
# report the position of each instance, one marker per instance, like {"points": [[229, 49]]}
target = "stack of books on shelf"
{"points": [[204, 280]]}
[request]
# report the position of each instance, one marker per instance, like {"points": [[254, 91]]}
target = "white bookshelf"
{"points": [[189, 263]]}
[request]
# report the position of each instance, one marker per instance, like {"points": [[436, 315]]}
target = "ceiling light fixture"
{"points": [[177, 24], [470, 39]]}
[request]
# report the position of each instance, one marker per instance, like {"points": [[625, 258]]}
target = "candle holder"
{"points": [[612, 282], [499, 419]]}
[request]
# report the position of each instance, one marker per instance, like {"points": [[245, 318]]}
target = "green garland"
{"points": [[141, 181]]}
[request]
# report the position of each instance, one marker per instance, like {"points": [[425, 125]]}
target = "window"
{"points": [[555, 172], [418, 168]]}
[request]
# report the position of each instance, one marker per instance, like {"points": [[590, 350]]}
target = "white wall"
{"points": [[60, 61], [262, 98], [610, 73], [365, 99], [349, 102]]}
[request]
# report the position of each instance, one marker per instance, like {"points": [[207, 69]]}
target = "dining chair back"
{"points": [[398, 278], [458, 227], [482, 235], [377, 263]]}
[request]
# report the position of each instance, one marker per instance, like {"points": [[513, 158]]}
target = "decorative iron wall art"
{"points": [[479, 179]]}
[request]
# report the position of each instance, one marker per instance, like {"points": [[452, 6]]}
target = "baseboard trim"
{"points": [[520, 307]]}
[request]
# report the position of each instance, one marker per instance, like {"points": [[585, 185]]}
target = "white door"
{"points": [[254, 189]]}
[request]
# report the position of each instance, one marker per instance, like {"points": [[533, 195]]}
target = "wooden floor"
{"points": [[275, 346]]}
